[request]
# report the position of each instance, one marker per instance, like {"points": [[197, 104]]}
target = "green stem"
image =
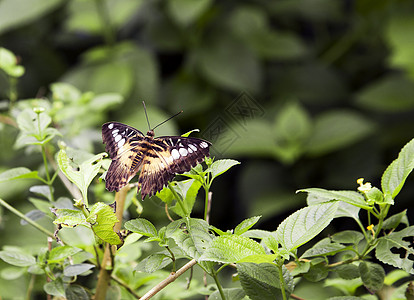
{"points": [[362, 229], [12, 90], [49, 182], [105, 19], [179, 199], [172, 257], [282, 282], [223, 297], [30, 287], [206, 189], [30, 221]]}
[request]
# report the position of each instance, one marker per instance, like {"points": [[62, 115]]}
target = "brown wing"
{"points": [[166, 157], [125, 147]]}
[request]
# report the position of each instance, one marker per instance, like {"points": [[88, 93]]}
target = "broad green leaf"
{"points": [[347, 210], [12, 273], [141, 226], [231, 249], [220, 166], [316, 195], [372, 276], [397, 172], [77, 269], [103, 219], [191, 235], [390, 246], [232, 293], [245, 225], [69, 217], [153, 263], [347, 286], [76, 292], [394, 276], [393, 221], [337, 129], [17, 258], [347, 271], [188, 189], [348, 237], [41, 190], [317, 272], [257, 234], [105, 101], [324, 248], [61, 253], [261, 281], [259, 258], [55, 288], [86, 173], [18, 173], [185, 12], [305, 224]]}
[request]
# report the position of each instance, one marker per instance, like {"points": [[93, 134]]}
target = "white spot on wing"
{"points": [[115, 132], [175, 154], [117, 138], [189, 150], [192, 147], [183, 151], [203, 145], [121, 142], [110, 126]]}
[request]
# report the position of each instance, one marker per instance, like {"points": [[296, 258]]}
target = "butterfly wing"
{"points": [[125, 147], [168, 156]]}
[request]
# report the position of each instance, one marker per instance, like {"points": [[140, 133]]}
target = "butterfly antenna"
{"points": [[145, 109], [168, 119]]}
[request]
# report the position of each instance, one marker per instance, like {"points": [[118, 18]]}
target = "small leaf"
{"points": [[61, 253], [185, 12], [18, 173], [261, 281], [33, 215], [17, 258], [55, 288], [220, 166], [41, 190], [393, 221], [77, 269], [153, 263], [324, 248], [69, 217], [348, 271], [190, 132], [348, 237], [317, 195], [189, 190], [231, 249], [12, 273], [141, 226], [232, 293], [103, 219], [372, 276], [305, 224], [397, 172], [245, 225], [317, 272], [76, 292]]}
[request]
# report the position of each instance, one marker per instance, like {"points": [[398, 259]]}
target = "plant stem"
{"points": [[126, 286], [282, 282], [223, 297], [49, 182], [30, 221], [171, 278], [179, 199]]}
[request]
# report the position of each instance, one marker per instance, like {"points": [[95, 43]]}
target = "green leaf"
{"points": [[185, 12], [348, 271], [153, 263], [18, 173], [17, 258], [188, 189], [41, 190], [59, 254], [190, 132], [337, 129], [317, 272], [86, 173], [12, 273], [220, 166], [372, 276], [55, 288], [231, 249], [76, 292], [348, 237], [305, 224], [69, 217], [232, 293], [77, 269], [191, 235], [8, 62], [141, 226], [390, 246], [261, 281], [317, 195], [103, 219], [397, 172], [245, 225], [393, 221], [324, 248]]}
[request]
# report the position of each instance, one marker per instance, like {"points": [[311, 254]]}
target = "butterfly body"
{"points": [[158, 159]]}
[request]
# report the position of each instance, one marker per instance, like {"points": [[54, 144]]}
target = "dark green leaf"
{"points": [[348, 237], [317, 272], [76, 292], [347, 271], [372, 276], [324, 248], [55, 288], [185, 12], [233, 294], [393, 221]]}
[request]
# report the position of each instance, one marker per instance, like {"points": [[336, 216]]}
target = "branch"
{"points": [[172, 277]]}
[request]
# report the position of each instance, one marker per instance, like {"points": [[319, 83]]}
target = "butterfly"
{"points": [[158, 159]]}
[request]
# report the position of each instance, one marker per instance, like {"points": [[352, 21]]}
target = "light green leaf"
{"points": [[191, 235], [348, 237], [8, 62], [77, 269], [232, 293], [220, 166], [69, 217], [261, 281], [397, 172], [141, 226], [305, 224], [317, 195], [41, 190], [86, 173], [372, 276], [55, 288], [18, 259], [185, 12], [389, 247], [153, 263], [103, 218], [245, 225], [18, 173], [324, 248], [189, 190], [190, 132], [12, 273], [231, 249], [259, 258], [61, 253]]}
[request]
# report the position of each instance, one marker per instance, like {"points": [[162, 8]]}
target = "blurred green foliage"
{"points": [[304, 93]]}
